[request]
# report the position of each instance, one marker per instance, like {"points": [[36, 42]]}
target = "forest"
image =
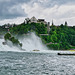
{"points": [[60, 37]]}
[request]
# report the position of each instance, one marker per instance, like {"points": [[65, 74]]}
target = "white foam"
{"points": [[33, 42], [30, 42]]}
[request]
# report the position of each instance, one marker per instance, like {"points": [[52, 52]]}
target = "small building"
{"points": [[33, 20], [42, 21], [27, 20]]}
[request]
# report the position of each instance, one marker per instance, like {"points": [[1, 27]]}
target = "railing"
{"points": [[44, 34]]}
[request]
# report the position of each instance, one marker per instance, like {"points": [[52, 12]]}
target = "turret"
{"points": [[66, 23], [27, 20], [52, 23], [48, 27]]}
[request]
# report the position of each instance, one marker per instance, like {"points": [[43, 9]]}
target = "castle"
{"points": [[34, 20]]}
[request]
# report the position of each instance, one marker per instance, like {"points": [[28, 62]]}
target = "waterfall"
{"points": [[30, 42]]}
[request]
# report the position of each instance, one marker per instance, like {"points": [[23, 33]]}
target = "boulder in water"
{"points": [[36, 50], [4, 43]]}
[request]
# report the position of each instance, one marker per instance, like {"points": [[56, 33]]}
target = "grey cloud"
{"points": [[11, 9], [51, 3]]}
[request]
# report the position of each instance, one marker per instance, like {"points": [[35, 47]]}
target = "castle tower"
{"points": [[27, 20], [66, 23], [33, 19], [52, 23], [48, 27]]}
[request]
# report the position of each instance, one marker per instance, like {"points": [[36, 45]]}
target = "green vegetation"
{"points": [[25, 28], [3, 30], [63, 35], [60, 37], [12, 39]]}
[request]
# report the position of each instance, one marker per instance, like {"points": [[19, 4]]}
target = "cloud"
{"points": [[12, 12], [18, 20], [58, 10], [11, 9], [4, 0], [59, 13]]}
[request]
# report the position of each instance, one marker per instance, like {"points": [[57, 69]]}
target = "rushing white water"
{"points": [[30, 42], [6, 47]]}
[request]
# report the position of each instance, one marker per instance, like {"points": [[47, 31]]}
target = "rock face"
{"points": [[4, 43], [12, 39]]}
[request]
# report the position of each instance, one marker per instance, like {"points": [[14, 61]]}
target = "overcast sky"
{"points": [[15, 11]]}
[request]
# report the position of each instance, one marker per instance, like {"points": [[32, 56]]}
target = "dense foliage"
{"points": [[3, 30], [60, 37], [63, 35], [12, 39], [25, 28]]}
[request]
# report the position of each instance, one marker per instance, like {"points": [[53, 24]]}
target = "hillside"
{"points": [[60, 37]]}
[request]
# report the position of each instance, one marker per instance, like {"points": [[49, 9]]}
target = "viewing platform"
{"points": [[44, 34]]}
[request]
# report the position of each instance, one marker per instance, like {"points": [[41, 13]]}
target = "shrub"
{"points": [[12, 39]]}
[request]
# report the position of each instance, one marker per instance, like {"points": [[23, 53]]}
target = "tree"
{"points": [[12, 39], [53, 38], [7, 36]]}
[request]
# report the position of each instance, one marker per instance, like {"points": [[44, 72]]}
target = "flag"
{"points": [[8, 30]]}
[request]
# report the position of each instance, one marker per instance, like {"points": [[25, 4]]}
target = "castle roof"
{"points": [[33, 18], [41, 20]]}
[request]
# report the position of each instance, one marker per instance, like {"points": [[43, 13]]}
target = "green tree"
{"points": [[7, 36], [53, 38]]}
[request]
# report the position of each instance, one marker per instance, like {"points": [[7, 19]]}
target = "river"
{"points": [[14, 61], [25, 63]]}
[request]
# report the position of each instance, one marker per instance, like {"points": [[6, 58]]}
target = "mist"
{"points": [[29, 41], [32, 42]]}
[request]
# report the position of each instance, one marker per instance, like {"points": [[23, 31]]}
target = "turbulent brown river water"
{"points": [[23, 63]]}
